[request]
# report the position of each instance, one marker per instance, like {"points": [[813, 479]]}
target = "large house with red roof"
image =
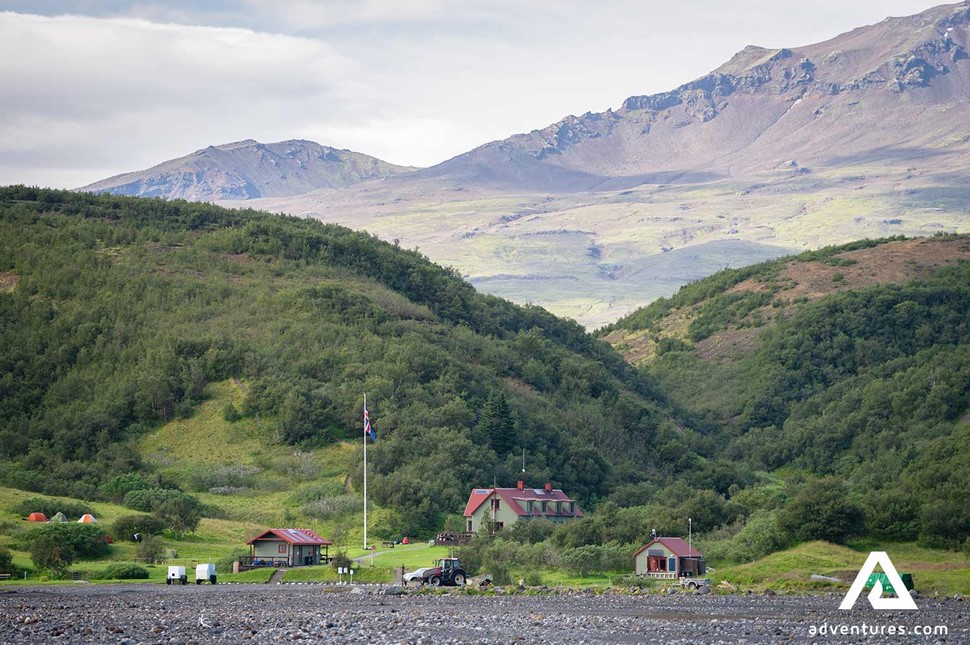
{"points": [[669, 558], [506, 506], [286, 548]]}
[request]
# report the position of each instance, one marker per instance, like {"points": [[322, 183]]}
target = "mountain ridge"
{"points": [[775, 151], [612, 149], [249, 169]]}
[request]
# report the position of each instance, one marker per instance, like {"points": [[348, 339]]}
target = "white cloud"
{"points": [[306, 15], [125, 93]]}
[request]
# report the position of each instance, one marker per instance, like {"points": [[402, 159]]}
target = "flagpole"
{"points": [[365, 473]]}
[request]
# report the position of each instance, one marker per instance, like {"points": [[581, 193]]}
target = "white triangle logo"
{"points": [[881, 558]]}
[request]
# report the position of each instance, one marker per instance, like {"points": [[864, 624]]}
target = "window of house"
{"points": [[496, 504], [281, 548]]}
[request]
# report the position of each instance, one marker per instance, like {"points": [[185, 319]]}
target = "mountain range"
{"points": [[777, 150], [247, 170]]}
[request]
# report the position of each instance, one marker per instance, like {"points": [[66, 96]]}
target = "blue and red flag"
{"points": [[368, 429]]}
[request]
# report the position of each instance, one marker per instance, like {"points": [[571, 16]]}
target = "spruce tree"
{"points": [[497, 424]]}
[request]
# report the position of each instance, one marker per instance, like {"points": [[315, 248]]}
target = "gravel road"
{"points": [[286, 613]]}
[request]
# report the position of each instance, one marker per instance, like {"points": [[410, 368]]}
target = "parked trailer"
{"points": [[205, 572], [176, 575]]}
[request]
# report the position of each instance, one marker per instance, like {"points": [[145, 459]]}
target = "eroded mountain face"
{"points": [[249, 170]]}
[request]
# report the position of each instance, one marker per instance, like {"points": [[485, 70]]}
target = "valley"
{"points": [[737, 309], [597, 256]]}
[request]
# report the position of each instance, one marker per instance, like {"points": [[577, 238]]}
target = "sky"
{"points": [[92, 89]]}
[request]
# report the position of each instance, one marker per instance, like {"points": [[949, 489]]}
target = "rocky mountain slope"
{"points": [[777, 150], [896, 89], [249, 169]]}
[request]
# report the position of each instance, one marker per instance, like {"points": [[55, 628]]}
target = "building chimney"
{"points": [[548, 487], [521, 485]]}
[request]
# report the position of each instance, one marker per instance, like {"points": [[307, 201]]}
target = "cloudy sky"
{"points": [[91, 89]]}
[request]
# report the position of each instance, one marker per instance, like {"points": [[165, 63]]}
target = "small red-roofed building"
{"points": [[286, 548], [506, 506], [669, 558]]}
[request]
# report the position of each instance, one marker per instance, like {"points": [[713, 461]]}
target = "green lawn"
{"points": [[934, 571], [411, 556], [328, 574]]}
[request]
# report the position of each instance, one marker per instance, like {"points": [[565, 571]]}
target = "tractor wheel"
{"points": [[212, 579], [198, 581], [435, 581], [460, 579], [185, 580], [168, 581]]}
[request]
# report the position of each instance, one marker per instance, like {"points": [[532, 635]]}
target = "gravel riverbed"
{"points": [[317, 613]]}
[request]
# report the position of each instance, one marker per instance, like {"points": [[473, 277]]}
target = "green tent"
{"points": [[60, 517]]}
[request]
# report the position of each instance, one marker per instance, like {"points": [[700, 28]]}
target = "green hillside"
{"points": [[121, 315], [850, 364], [202, 370]]}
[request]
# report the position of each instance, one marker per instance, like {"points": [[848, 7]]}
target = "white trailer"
{"points": [[204, 572], [176, 576]]}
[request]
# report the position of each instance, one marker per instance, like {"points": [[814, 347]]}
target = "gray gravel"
{"points": [[287, 613]]}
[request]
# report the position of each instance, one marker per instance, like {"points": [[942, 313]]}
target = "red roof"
{"points": [[512, 497], [476, 499], [300, 537], [677, 546]]}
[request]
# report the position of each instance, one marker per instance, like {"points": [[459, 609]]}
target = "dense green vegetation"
{"points": [[124, 310], [857, 400], [126, 322]]}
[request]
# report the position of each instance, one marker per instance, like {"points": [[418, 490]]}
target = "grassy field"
{"points": [[411, 556], [278, 479], [934, 571], [282, 477]]}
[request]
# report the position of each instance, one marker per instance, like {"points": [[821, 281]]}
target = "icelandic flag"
{"points": [[368, 429]]}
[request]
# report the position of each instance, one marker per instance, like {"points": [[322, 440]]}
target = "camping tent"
{"points": [[87, 518], [36, 517], [60, 517]]}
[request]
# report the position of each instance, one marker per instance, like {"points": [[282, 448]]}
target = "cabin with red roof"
{"points": [[669, 558], [506, 506], [286, 548]]}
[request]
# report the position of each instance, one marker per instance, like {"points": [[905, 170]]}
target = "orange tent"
{"points": [[36, 517], [87, 518]]}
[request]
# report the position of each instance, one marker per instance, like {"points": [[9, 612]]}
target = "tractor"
{"points": [[448, 572]]}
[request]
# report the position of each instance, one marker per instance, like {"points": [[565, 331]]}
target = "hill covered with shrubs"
{"points": [[846, 368], [118, 313]]}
